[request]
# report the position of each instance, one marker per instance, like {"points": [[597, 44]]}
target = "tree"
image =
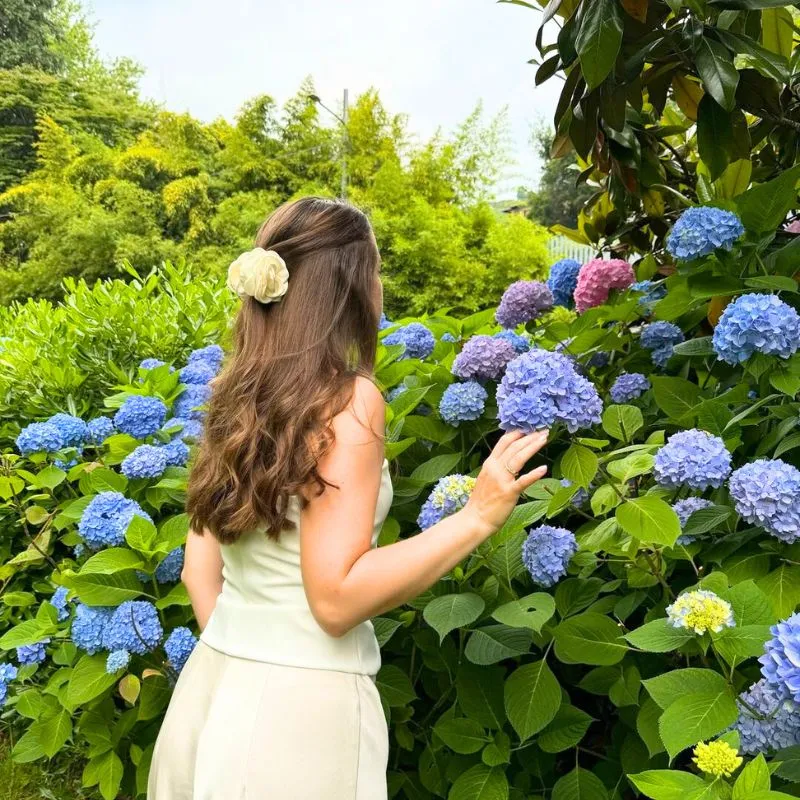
{"points": [[28, 31]]}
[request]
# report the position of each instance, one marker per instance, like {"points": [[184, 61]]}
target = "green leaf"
{"points": [[461, 735], [567, 728], [763, 207], [622, 421], [28, 748], [103, 479], [782, 587], [178, 595], [649, 519], [28, 632], [667, 688], [755, 777], [589, 638], [495, 643], [716, 69], [154, 696], [407, 401], [480, 694], [579, 465], [97, 589], [480, 783], [452, 611], [647, 726], [599, 40], [741, 642], [695, 347], [777, 33], [695, 717], [706, 519], [49, 478], [658, 636], [666, 784], [632, 466], [141, 534], [89, 679], [395, 686], [109, 769], [531, 611], [714, 135], [676, 397], [580, 784], [777, 283], [54, 731], [437, 467], [532, 698], [114, 559]]}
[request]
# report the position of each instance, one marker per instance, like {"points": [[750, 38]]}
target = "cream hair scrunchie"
{"points": [[260, 274]]}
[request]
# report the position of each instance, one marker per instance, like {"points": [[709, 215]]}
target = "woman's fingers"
{"points": [[529, 478], [502, 444], [518, 453]]}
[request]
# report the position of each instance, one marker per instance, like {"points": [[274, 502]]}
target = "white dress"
{"points": [[269, 706]]}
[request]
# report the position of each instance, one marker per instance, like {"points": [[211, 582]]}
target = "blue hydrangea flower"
{"points": [[753, 323], [767, 493], [67, 465], [599, 359], [541, 388], [684, 509], [580, 497], [774, 726], [73, 429], [546, 553], [3, 694], [59, 603], [179, 646], [106, 518], [213, 354], [448, 496], [384, 323], [629, 386], [418, 340], [483, 357], [191, 398], [8, 673], [176, 453], [134, 626], [448, 337], [693, 458], [563, 280], [39, 437], [99, 429], [117, 660], [198, 372], [520, 343], [146, 461], [150, 363], [169, 570], [780, 664], [702, 230], [660, 338], [32, 653], [88, 627], [651, 292], [140, 416], [523, 301], [190, 429], [462, 402]]}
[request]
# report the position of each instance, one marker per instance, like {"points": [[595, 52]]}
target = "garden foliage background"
{"points": [[571, 656]]}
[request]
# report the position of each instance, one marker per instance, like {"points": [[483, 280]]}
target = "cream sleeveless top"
{"points": [[262, 613]]}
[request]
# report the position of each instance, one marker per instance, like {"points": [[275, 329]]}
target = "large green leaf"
{"points": [[494, 643], [480, 694], [452, 611], [98, 589], [676, 397], [714, 135], [658, 636], [763, 207], [480, 783], [89, 679], [782, 587], [28, 632], [666, 784], [531, 611], [54, 732], [436, 467], [579, 465], [114, 559], [461, 735], [719, 75], [649, 519], [589, 638], [622, 421], [567, 728], [695, 717], [395, 686], [755, 777], [599, 40], [665, 689], [580, 784], [532, 698]]}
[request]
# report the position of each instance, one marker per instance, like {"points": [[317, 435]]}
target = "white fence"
{"points": [[562, 247]]}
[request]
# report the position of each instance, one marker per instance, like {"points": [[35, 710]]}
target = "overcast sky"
{"points": [[430, 59]]}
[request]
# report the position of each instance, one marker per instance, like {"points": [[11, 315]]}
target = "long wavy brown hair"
{"points": [[293, 367]]}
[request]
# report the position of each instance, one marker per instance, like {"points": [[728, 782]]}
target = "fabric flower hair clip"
{"points": [[260, 274]]}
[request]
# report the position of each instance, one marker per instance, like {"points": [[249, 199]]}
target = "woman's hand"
{"points": [[497, 490]]}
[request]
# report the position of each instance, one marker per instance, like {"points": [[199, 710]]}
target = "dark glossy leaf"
{"points": [[599, 40]]}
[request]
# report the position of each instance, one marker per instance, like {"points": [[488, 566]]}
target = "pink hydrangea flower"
{"points": [[597, 278]]}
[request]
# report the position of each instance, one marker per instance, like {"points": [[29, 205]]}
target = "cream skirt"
{"points": [[248, 730]]}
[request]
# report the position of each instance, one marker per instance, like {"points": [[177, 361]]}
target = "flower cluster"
{"points": [[212, 354], [448, 337], [700, 231], [88, 627], [60, 603], [767, 493], [546, 552], [700, 611], [117, 660], [191, 398], [106, 518], [151, 363], [684, 509], [8, 672], [418, 341], [521, 344], [176, 453], [597, 278], [483, 358], [462, 402], [563, 280], [780, 664], [99, 429], [448, 496], [756, 323], [692, 458], [187, 429], [73, 430], [39, 437], [140, 416], [169, 570], [197, 372], [523, 301], [146, 461], [775, 723], [179, 646], [717, 758], [660, 338], [651, 292], [384, 322], [541, 388], [629, 386], [32, 653], [133, 626]]}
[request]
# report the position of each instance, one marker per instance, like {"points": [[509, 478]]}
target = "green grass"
{"points": [[38, 781]]}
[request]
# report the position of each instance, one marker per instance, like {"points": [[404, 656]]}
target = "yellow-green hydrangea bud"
{"points": [[717, 758]]}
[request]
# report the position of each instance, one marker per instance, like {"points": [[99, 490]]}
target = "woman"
{"points": [[286, 499]]}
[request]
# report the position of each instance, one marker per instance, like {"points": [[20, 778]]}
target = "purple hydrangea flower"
{"points": [[547, 552], [191, 398], [417, 339], [448, 496], [753, 323], [541, 388], [462, 402], [73, 429], [117, 660], [179, 647], [140, 416], [32, 653], [106, 518], [213, 354], [169, 570], [520, 343], [660, 338], [483, 357], [684, 509], [563, 280], [99, 429], [146, 461], [700, 231], [629, 386], [88, 627], [780, 664], [774, 726], [59, 603], [693, 458], [523, 301], [767, 493], [134, 626], [39, 437]]}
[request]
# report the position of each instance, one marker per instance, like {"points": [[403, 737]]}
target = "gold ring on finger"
{"points": [[512, 471]]}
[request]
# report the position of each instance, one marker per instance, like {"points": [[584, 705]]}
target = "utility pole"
{"points": [[345, 143]]}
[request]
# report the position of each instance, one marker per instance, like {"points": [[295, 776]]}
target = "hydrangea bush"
{"points": [[632, 630]]}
